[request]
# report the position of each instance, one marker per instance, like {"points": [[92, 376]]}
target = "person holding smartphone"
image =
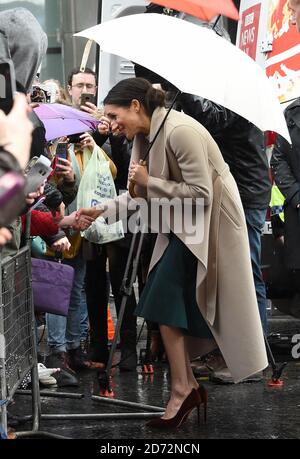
{"points": [[83, 83], [64, 339]]}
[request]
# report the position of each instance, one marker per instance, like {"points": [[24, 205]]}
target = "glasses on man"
{"points": [[84, 85]]}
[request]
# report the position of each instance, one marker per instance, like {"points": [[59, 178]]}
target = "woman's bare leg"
{"points": [[181, 380]]}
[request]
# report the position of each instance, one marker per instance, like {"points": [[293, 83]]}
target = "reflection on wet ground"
{"points": [[249, 410]]}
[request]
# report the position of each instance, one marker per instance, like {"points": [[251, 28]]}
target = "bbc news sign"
{"points": [[249, 30]]}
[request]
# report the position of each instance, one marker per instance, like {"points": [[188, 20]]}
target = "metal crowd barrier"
{"points": [[18, 353]]}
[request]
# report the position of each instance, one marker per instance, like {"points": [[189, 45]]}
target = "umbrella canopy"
{"points": [[203, 9], [195, 60], [61, 120]]}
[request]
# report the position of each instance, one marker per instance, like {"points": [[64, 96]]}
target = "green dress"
{"points": [[169, 297]]}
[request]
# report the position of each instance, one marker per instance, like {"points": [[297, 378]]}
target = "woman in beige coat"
{"points": [[200, 284]]}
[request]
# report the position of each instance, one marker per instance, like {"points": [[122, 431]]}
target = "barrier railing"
{"points": [[18, 355]]}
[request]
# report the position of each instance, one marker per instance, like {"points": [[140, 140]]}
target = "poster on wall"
{"points": [[249, 30], [283, 62]]}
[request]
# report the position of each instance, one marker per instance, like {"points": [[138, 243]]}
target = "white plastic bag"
{"points": [[96, 187]]}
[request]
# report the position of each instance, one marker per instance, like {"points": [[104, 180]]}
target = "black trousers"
{"points": [[97, 293]]}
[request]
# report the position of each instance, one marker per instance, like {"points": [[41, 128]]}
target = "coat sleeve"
{"points": [[68, 190], [189, 147], [213, 117], [41, 224], [283, 173]]}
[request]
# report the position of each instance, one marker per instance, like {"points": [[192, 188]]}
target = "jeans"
{"points": [[255, 219], [84, 317], [64, 332]]}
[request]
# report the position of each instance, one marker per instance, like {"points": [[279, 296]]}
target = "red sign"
{"points": [[249, 30], [283, 62]]}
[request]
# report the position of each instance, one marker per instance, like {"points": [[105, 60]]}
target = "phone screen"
{"points": [[61, 153], [7, 85]]}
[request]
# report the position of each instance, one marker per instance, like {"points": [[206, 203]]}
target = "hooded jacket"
{"points": [[27, 43], [26, 47]]}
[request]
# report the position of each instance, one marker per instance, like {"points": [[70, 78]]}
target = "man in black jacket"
{"points": [[286, 172]]}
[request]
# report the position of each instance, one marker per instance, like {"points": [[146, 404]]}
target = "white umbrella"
{"points": [[195, 60]]}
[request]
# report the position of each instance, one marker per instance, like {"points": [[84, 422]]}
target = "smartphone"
{"points": [[30, 164], [75, 138], [86, 97], [61, 153], [12, 197], [38, 174], [7, 85]]}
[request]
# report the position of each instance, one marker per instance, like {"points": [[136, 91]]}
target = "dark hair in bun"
{"points": [[124, 92]]}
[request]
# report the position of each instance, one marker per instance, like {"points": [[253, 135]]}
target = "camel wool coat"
{"points": [[185, 162]]}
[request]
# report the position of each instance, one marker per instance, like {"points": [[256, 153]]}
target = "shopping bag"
{"points": [[96, 187], [52, 284]]}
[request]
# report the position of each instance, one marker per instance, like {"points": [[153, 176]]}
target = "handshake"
{"points": [[82, 219]]}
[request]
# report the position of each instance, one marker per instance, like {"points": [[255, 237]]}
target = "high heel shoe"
{"points": [[193, 400], [203, 399]]}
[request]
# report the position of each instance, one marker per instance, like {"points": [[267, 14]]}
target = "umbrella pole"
{"points": [[216, 22]]}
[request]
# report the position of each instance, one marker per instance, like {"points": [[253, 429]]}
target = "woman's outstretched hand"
{"points": [[90, 212]]}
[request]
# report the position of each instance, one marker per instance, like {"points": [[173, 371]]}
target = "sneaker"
{"points": [[66, 376], [207, 364], [77, 360], [45, 377], [224, 377]]}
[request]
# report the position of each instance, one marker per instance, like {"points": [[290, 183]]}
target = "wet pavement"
{"points": [[248, 410]]}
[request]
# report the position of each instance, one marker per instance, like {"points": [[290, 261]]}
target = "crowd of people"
{"points": [[203, 152]]}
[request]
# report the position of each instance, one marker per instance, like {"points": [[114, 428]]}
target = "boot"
{"points": [[77, 360], [128, 361], [66, 376]]}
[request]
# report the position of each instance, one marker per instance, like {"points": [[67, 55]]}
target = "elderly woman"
{"points": [[199, 288]]}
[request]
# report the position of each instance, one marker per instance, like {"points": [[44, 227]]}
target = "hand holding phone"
{"points": [[38, 174], [87, 97], [61, 153], [75, 138], [64, 166]]}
